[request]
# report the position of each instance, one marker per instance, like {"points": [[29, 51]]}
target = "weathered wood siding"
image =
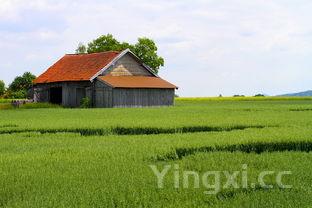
{"points": [[106, 96], [41, 93], [127, 66], [72, 92], [103, 95], [142, 97]]}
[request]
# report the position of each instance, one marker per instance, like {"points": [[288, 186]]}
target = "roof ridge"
{"points": [[75, 54]]}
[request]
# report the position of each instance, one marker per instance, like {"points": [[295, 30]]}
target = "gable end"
{"points": [[126, 63]]}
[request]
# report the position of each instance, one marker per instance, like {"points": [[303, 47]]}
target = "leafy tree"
{"points": [[21, 94], [145, 49], [20, 85], [81, 49], [2, 88], [104, 43]]}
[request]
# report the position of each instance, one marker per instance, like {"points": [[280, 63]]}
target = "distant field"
{"points": [[61, 157], [242, 98]]}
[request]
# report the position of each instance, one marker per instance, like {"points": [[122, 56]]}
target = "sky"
{"points": [[210, 47]]}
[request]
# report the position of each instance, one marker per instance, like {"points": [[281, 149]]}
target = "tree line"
{"points": [[19, 88]]}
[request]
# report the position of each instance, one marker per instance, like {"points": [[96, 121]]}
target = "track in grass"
{"points": [[257, 147], [133, 130], [301, 109]]}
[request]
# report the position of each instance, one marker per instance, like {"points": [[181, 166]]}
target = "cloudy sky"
{"points": [[210, 47]]}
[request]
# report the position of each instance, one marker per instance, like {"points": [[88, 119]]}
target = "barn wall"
{"points": [[72, 92], [107, 97], [103, 95], [142, 97], [127, 66], [41, 93]]}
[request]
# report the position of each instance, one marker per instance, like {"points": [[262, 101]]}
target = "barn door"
{"points": [[56, 95], [80, 94]]}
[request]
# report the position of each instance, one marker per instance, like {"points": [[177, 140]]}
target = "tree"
{"points": [[2, 88], [104, 43], [145, 49], [81, 49], [20, 85]]}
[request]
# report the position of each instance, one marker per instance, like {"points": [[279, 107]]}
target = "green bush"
{"points": [[20, 94], [2, 88], [5, 100], [85, 103]]}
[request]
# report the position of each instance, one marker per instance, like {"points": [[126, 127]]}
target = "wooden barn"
{"points": [[108, 79]]}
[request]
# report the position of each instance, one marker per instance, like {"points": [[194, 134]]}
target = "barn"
{"points": [[108, 79]]}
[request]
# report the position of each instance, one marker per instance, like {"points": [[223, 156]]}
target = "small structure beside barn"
{"points": [[108, 79]]}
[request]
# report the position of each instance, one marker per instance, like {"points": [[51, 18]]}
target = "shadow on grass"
{"points": [[301, 109], [257, 147], [134, 130]]}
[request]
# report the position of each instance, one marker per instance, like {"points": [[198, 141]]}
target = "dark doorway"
{"points": [[56, 95]]}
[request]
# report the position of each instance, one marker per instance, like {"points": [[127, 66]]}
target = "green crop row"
{"points": [[199, 113]]}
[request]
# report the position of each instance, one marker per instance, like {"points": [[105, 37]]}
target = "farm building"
{"points": [[108, 79]]}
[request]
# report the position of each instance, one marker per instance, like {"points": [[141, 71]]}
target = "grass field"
{"points": [[59, 157]]}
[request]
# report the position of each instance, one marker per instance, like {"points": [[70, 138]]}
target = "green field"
{"points": [[61, 157]]}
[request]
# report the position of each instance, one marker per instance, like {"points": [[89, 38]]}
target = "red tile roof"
{"points": [[76, 67], [136, 82]]}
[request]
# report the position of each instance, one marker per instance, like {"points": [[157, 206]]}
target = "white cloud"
{"points": [[217, 46]]}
